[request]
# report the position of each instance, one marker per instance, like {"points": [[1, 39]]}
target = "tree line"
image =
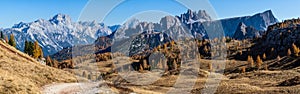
{"points": [[11, 41], [31, 48]]}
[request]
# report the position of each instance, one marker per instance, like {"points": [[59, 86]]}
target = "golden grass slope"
{"points": [[19, 73]]}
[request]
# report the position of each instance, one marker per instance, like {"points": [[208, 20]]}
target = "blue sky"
{"points": [[15, 11]]}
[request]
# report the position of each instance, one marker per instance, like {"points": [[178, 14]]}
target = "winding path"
{"points": [[76, 88]]}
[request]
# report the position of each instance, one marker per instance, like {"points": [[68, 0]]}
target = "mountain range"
{"points": [[61, 32], [58, 32], [259, 21]]}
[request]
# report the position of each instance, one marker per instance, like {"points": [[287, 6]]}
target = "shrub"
{"points": [[84, 74], [103, 57], [90, 76], [228, 40]]}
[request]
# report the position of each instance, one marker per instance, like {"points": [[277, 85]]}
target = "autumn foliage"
{"points": [[12, 40], [33, 49]]}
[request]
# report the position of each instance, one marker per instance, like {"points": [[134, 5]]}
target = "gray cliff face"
{"points": [[246, 32], [259, 21], [202, 26], [278, 39]]}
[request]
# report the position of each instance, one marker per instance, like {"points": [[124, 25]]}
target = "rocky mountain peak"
{"points": [[131, 23], [267, 17], [202, 14], [169, 21], [20, 25], [192, 16], [57, 33], [245, 32], [61, 19]]}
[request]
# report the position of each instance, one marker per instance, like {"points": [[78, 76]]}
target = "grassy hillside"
{"points": [[19, 73]]}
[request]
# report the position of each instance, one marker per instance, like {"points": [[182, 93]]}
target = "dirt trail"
{"points": [[76, 88]]}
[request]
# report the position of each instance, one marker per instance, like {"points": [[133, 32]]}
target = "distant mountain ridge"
{"points": [[58, 32], [277, 41], [189, 24], [200, 25], [259, 21]]}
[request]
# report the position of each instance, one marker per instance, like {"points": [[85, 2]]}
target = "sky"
{"points": [[15, 11]]}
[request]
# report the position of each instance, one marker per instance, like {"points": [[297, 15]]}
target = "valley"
{"points": [[190, 53]]}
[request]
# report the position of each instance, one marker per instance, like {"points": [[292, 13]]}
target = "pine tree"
{"points": [[26, 47], [12, 41], [49, 61], [210, 67], [30, 48], [205, 49], [145, 65], [250, 61], [37, 51], [158, 47], [6, 39], [84, 74], [243, 69], [258, 61], [295, 49], [89, 76], [174, 64], [165, 47], [55, 63], [172, 43], [2, 35], [141, 68], [165, 65], [266, 67]]}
